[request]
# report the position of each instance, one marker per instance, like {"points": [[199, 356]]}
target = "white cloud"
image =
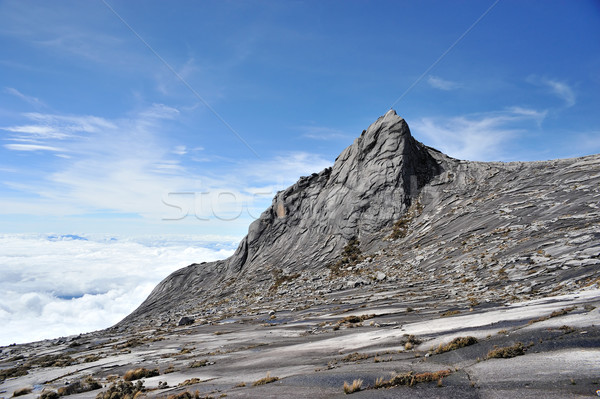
{"points": [[130, 166], [287, 168], [442, 84], [560, 89], [35, 131], [180, 150], [32, 147], [36, 102], [476, 138], [61, 286]]}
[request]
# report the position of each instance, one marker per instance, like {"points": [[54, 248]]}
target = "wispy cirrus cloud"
{"points": [[482, 137], [36, 102], [33, 147], [131, 165], [442, 84], [560, 89]]}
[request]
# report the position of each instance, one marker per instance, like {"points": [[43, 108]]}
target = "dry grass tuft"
{"points": [[85, 385], [136, 374], [185, 395], [266, 380], [507, 351], [410, 379], [450, 313], [355, 357], [456, 343], [556, 313], [123, 390], [22, 391], [354, 387], [200, 363], [190, 381]]}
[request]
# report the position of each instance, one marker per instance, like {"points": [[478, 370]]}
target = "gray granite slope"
{"points": [[509, 229]]}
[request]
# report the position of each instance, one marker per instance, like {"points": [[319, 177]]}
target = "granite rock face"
{"points": [[415, 211]]}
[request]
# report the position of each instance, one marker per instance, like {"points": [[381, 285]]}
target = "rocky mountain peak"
{"points": [[417, 215], [369, 187]]}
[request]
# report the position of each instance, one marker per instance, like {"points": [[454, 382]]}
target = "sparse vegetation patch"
{"points": [[507, 352], [556, 313], [355, 357], [22, 391], [456, 343], [354, 387], [266, 380], [85, 385], [136, 374], [123, 390], [17, 371], [351, 255], [411, 379], [450, 313]]}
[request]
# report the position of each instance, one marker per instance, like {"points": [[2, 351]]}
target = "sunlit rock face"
{"points": [[498, 230]]}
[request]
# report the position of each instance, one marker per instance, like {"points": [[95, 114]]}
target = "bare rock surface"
{"points": [[378, 269]]}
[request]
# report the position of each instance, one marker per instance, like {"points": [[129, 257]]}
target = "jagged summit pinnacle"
{"points": [[370, 185]]}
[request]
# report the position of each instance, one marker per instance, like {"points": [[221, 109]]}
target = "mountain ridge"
{"points": [[371, 186]]}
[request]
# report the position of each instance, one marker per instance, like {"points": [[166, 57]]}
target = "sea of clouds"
{"points": [[60, 285]]}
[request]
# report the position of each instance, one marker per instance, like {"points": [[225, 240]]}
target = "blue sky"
{"points": [[125, 116]]}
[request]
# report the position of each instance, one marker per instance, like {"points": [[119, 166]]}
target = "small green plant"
{"points": [[507, 351], [354, 387], [266, 380]]}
